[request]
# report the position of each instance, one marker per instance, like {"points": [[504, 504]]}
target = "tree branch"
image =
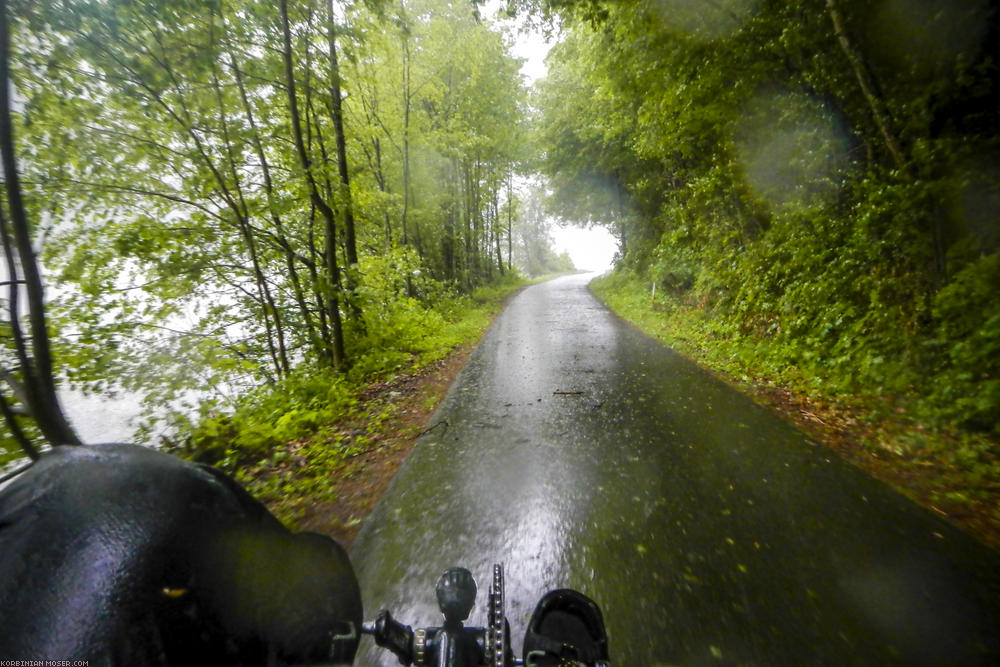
{"points": [[868, 88]]}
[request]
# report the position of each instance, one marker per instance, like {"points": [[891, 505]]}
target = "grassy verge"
{"points": [[955, 474], [319, 447], [330, 482]]}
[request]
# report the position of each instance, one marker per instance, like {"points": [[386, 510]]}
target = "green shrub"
{"points": [[399, 318], [408, 320], [967, 388], [297, 407]]}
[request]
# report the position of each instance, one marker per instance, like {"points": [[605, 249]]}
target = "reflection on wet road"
{"points": [[582, 454]]}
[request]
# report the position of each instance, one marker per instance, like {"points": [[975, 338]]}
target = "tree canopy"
{"points": [[240, 193], [234, 192], [817, 175]]}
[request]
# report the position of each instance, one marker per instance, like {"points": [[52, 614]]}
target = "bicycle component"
{"points": [[566, 628], [420, 646], [344, 644], [496, 646], [393, 635], [456, 593]]}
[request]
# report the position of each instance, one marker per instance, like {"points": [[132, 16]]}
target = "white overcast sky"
{"points": [[591, 249]]}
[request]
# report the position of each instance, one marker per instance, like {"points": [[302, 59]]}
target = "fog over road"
{"points": [[583, 454]]}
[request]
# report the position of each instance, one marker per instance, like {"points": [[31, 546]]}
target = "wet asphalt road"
{"points": [[709, 531]]}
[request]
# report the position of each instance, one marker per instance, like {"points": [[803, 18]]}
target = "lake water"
{"points": [[97, 419]]}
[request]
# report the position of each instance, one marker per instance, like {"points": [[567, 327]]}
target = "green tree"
{"points": [[794, 168], [225, 181], [28, 369]]}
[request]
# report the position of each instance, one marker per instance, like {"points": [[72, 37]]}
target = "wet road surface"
{"points": [[583, 454]]}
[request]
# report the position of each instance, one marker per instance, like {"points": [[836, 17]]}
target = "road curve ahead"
{"points": [[581, 453]]}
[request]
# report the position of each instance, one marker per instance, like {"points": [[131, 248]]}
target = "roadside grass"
{"points": [[297, 445], [956, 474]]}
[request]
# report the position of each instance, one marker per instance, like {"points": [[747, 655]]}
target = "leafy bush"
{"points": [[841, 300], [841, 294], [967, 388], [298, 406], [408, 320], [398, 320]]}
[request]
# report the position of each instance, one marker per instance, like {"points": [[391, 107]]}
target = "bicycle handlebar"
{"points": [[454, 645], [446, 646]]}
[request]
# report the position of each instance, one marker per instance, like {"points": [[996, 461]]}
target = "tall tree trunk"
{"points": [[37, 369], [876, 104], [477, 222], [467, 228], [374, 154], [510, 221], [350, 245], [332, 288], [231, 193], [384, 189], [285, 246], [317, 294], [407, 93], [451, 221], [496, 229], [406, 137], [272, 317]]}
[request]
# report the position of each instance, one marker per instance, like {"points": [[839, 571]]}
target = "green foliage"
{"points": [[966, 389], [297, 407], [792, 226], [188, 248], [305, 406], [786, 218], [840, 295], [395, 325], [286, 442], [10, 449]]}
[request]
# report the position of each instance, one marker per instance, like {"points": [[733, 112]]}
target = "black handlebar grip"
{"points": [[395, 636]]}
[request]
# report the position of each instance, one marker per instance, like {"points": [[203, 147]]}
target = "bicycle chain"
{"points": [[496, 645]]}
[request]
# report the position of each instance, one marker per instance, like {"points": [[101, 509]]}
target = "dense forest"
{"points": [[308, 191], [811, 184], [264, 199]]}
